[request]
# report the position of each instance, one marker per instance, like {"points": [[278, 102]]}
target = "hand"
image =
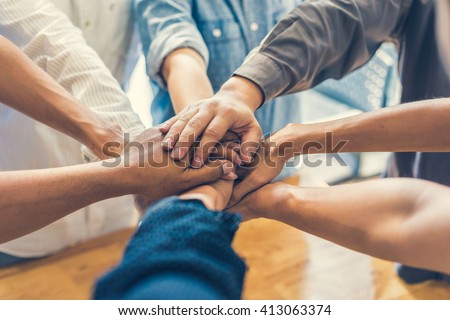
{"points": [[147, 169], [225, 150], [267, 164], [232, 108], [107, 141], [264, 202], [214, 196]]}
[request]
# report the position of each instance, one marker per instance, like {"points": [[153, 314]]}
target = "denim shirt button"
{"points": [[254, 26], [217, 33]]}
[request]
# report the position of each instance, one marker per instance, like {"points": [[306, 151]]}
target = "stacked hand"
{"points": [[148, 170], [231, 110], [229, 113], [209, 120]]}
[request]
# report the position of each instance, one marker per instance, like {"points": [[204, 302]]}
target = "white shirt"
{"points": [[48, 37]]}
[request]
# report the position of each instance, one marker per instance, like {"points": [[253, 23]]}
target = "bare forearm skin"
{"points": [[29, 90], [402, 220], [422, 126], [30, 200], [187, 81]]}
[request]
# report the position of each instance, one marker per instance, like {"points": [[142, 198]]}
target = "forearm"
{"points": [[421, 126], [30, 200], [395, 219], [320, 40], [187, 81], [51, 41], [29, 90]]}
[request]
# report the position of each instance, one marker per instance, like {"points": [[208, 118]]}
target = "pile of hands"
{"points": [[212, 152], [223, 181]]}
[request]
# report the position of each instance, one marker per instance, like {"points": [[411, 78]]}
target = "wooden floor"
{"points": [[284, 263]]}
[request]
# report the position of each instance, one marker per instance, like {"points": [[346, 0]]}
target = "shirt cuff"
{"points": [[173, 207], [176, 36], [265, 72]]}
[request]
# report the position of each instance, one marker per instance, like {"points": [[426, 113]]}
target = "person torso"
{"points": [[108, 27], [25, 144], [230, 30], [423, 76]]}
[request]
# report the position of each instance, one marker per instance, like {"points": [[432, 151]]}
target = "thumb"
{"points": [[210, 172], [250, 142]]}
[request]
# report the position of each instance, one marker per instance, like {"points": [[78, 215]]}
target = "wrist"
{"points": [[297, 139], [111, 179], [287, 141], [207, 201], [282, 196], [243, 91], [125, 179], [104, 139]]}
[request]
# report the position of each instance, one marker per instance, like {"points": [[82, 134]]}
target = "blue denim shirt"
{"points": [[223, 32]]}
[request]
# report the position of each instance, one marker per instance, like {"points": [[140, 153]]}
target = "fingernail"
{"points": [[246, 159], [164, 128], [231, 176], [227, 168]]}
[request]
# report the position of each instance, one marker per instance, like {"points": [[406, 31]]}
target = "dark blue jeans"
{"points": [[180, 251]]}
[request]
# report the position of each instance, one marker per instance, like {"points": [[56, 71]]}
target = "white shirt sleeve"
{"points": [[48, 37]]}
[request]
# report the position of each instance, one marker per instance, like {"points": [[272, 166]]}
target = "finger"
{"points": [[224, 188], [226, 151], [165, 126], [231, 176], [231, 136], [172, 136], [249, 184], [250, 142], [210, 172], [212, 135], [190, 133]]}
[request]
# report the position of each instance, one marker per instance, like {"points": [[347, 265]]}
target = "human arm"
{"points": [[402, 220], [144, 169], [419, 126], [51, 41], [316, 41], [319, 40], [28, 89], [30, 200], [191, 255], [442, 27], [177, 56], [184, 71]]}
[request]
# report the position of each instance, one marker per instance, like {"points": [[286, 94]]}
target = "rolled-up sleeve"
{"points": [[322, 39], [47, 37], [164, 26]]}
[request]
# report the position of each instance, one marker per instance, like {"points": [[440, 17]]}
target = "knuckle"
{"points": [[212, 133], [183, 118], [229, 112], [195, 123], [290, 125]]}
